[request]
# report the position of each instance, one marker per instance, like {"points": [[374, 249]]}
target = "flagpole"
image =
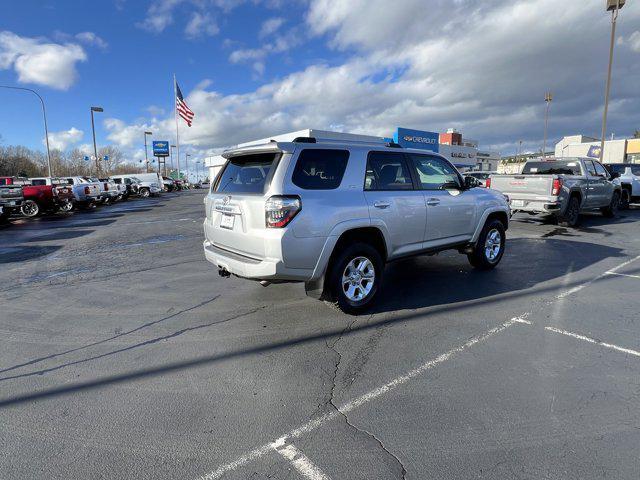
{"points": [[175, 111]]}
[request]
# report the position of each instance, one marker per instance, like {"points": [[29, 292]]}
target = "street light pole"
{"points": [[44, 116], [548, 97], [93, 130], [146, 155], [614, 7], [171, 155], [186, 159]]}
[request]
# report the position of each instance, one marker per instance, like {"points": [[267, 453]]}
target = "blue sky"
{"points": [[251, 68]]}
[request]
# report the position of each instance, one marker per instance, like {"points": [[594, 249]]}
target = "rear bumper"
{"points": [[253, 268], [536, 206]]}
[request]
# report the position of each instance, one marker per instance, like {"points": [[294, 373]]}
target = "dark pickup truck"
{"points": [[10, 199]]}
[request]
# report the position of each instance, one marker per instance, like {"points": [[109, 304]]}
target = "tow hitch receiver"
{"points": [[223, 272]]}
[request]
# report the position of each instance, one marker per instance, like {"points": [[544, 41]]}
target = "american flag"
{"points": [[183, 110]]}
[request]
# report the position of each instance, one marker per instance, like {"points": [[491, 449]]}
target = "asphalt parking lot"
{"points": [[125, 355]]}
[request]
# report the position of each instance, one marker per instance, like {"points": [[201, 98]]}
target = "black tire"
{"points": [[571, 216], [144, 192], [611, 211], [66, 207], [489, 248], [339, 270], [4, 217], [625, 199], [30, 208]]}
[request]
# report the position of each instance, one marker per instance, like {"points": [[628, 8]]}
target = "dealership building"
{"points": [[462, 152], [615, 151]]}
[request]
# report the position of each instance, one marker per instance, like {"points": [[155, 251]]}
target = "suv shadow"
{"points": [[447, 278]]}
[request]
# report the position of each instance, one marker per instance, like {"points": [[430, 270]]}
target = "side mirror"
{"points": [[471, 182]]}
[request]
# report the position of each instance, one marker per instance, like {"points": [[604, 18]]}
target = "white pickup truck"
{"points": [[629, 181], [85, 192]]}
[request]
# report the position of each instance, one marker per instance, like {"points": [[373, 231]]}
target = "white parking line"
{"points": [[301, 463], [593, 340], [623, 275], [586, 284], [357, 402]]}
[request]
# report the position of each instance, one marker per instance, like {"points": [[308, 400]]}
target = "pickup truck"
{"points": [[108, 189], [85, 192], [147, 184], [127, 185], [10, 198], [629, 181], [42, 196], [561, 187]]}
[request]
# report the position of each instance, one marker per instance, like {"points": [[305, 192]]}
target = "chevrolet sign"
{"points": [[421, 139]]}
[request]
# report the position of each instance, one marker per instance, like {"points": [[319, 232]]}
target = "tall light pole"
{"points": [[548, 97], [93, 130], [198, 171], [186, 171], [614, 7], [146, 155], [44, 116], [171, 147]]}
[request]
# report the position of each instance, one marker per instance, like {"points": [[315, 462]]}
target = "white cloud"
{"points": [[271, 26], [159, 15], [200, 25], [634, 41], [91, 38], [41, 62], [64, 139]]}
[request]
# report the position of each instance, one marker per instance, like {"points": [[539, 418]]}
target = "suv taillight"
{"points": [[556, 186], [279, 210], [87, 190], [106, 187], [487, 182]]}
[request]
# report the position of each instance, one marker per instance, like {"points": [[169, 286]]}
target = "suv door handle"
{"points": [[432, 202], [382, 204]]}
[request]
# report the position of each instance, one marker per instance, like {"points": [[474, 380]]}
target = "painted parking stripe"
{"points": [[300, 462], [586, 284], [594, 341], [624, 275], [357, 402]]}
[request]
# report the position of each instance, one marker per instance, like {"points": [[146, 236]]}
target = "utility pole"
{"points": [[93, 130], [548, 97], [614, 7], [146, 155]]}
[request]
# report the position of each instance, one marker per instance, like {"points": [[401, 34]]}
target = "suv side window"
{"points": [[318, 169], [600, 170], [387, 171], [590, 168], [435, 173]]}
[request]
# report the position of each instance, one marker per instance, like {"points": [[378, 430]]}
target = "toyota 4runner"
{"points": [[331, 214]]}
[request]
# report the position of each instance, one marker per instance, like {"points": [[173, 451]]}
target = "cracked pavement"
{"points": [[124, 356]]}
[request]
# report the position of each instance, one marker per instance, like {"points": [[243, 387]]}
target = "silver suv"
{"points": [[331, 214]]}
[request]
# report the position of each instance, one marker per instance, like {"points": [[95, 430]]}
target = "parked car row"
{"points": [[565, 188], [31, 197]]}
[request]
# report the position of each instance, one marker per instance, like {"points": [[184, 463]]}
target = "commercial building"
{"points": [[615, 151]]}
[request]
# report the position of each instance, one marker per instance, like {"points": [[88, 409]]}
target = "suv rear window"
{"points": [[552, 168], [246, 173], [320, 169]]}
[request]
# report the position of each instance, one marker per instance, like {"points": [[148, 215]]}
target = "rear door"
{"points": [[451, 210], [394, 202], [595, 186], [236, 204], [607, 186]]}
